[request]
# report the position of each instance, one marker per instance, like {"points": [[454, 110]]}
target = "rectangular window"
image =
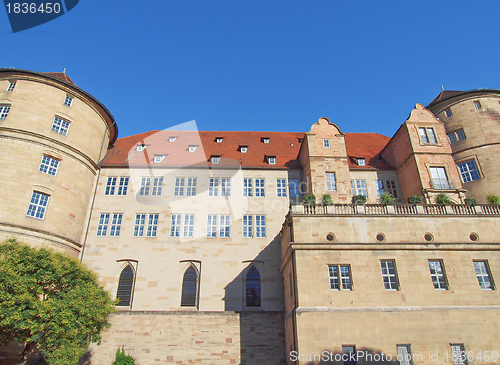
{"points": [[468, 171], [391, 188], [140, 147], [389, 275], [212, 225], [334, 277], [281, 187], [260, 226], [116, 224], [260, 187], [379, 185], [477, 105], [11, 86], [243, 149], [145, 185], [271, 160], [247, 187], [157, 185], [152, 225], [326, 143], [140, 220], [293, 188], [437, 275], [225, 187], [349, 355], [60, 126], [158, 158], [172, 139], [49, 165], [405, 356], [224, 225], [191, 186], [458, 354], [175, 225], [68, 100], [213, 189], [179, 186], [344, 279], [483, 275], [456, 136], [110, 186], [215, 159], [361, 162], [188, 225], [38, 205], [448, 112], [247, 226], [102, 227], [359, 187], [427, 135], [331, 184], [264, 140], [123, 185], [4, 111], [219, 139], [439, 178], [192, 148]]}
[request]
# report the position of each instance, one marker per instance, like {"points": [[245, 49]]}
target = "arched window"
{"points": [[253, 288], [190, 288], [125, 286]]}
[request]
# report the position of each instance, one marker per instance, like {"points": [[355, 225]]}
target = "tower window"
{"points": [[68, 101], [11, 86]]}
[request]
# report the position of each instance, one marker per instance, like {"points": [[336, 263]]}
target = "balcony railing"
{"points": [[396, 209]]}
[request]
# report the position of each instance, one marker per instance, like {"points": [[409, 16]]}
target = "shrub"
{"points": [[442, 199], [470, 201], [122, 359], [386, 198], [358, 199], [309, 199], [493, 199], [415, 199], [326, 199]]}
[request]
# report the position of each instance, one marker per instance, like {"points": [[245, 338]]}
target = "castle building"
{"points": [[204, 239]]}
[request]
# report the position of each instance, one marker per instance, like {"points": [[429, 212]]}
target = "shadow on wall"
{"points": [[361, 356]]}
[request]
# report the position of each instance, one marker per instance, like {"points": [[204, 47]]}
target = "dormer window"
{"points": [[361, 162], [326, 143], [243, 149], [158, 158], [68, 100], [172, 139], [219, 139], [271, 160], [214, 159], [264, 140], [192, 148], [140, 147]]}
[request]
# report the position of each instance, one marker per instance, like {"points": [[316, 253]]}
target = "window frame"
{"points": [[225, 186], [486, 273], [110, 185], [293, 188], [126, 284], [260, 226], [49, 167], [38, 208], [192, 182], [356, 190], [439, 180], [407, 359], [4, 111], [123, 185], [60, 126], [115, 225], [331, 185], [253, 278], [462, 360], [213, 186], [247, 225], [247, 187], [152, 226], [187, 301], [436, 276], [192, 148], [145, 186], [102, 224], [157, 186], [271, 160], [139, 224], [11, 86], [281, 188], [477, 105], [456, 136], [388, 275], [467, 176], [158, 158], [448, 112], [326, 143], [425, 138], [215, 160], [260, 187], [68, 101]]}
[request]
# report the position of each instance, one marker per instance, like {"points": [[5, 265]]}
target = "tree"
{"points": [[50, 302]]}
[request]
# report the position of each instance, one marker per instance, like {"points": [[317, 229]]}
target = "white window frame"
{"points": [[467, 172], [260, 187], [188, 225], [140, 221], [281, 188], [11, 86], [438, 178], [145, 186], [49, 165], [326, 143], [60, 126], [271, 160], [477, 105], [157, 185], [438, 275], [214, 159], [123, 185], [4, 111], [265, 140], [172, 139], [361, 162], [331, 181], [38, 205], [247, 187], [405, 355], [359, 187], [426, 137], [219, 139], [179, 186], [392, 283], [212, 225], [213, 188], [260, 226], [192, 148], [140, 147], [191, 186], [458, 354], [247, 222], [340, 277], [158, 158], [102, 225], [110, 185], [116, 223], [152, 226], [483, 275], [243, 149], [293, 188], [224, 226], [225, 189], [68, 101], [175, 225]]}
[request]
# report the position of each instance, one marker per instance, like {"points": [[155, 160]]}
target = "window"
{"points": [[49, 165], [213, 189], [468, 171], [212, 225], [140, 220], [281, 187], [437, 275], [102, 227], [68, 100], [224, 225], [477, 105], [219, 139], [179, 186], [271, 160], [125, 287], [140, 147], [38, 205], [243, 149], [11, 86], [157, 185], [331, 184], [172, 139], [190, 288], [247, 226], [175, 225], [225, 187], [191, 186], [123, 185], [145, 184], [60, 126], [188, 225], [483, 275], [349, 355], [361, 162], [260, 226], [215, 159], [158, 158], [389, 186], [253, 287], [379, 185], [456, 136], [264, 140], [405, 356], [458, 354], [152, 225], [247, 187], [4, 110], [260, 187], [293, 187], [326, 143], [116, 224], [427, 135], [448, 112], [359, 187], [192, 148], [439, 178], [389, 275], [345, 277], [110, 186]]}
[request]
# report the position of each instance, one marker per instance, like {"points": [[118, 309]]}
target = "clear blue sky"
{"points": [[265, 65]]}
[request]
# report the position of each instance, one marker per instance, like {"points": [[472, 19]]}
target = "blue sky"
{"points": [[264, 65]]}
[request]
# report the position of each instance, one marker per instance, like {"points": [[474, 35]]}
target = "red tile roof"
{"points": [[60, 76], [367, 146], [445, 94]]}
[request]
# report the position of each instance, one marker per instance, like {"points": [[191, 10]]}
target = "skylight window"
{"points": [[192, 148], [219, 139], [158, 158], [243, 149]]}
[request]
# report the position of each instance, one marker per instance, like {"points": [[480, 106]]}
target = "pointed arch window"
{"points": [[125, 287], [253, 287], [190, 288]]}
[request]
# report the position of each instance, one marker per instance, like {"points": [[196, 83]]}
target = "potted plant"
{"points": [[358, 199], [493, 199], [470, 201], [386, 198], [415, 199], [309, 199], [442, 199], [326, 199]]}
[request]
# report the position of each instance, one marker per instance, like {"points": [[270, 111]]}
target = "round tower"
{"points": [[52, 135], [472, 122]]}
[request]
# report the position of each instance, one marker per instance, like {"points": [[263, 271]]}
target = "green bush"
{"points": [[326, 199], [358, 199], [415, 199], [442, 199], [470, 201], [386, 198], [309, 199], [493, 199], [122, 359]]}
